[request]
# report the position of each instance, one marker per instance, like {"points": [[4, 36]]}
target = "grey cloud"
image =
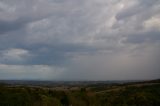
{"points": [[57, 54], [138, 8], [6, 26], [149, 36], [81, 39], [25, 12]]}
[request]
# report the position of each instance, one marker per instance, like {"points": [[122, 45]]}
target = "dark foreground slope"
{"points": [[132, 94]]}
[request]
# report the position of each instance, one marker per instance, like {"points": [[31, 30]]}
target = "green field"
{"points": [[131, 94]]}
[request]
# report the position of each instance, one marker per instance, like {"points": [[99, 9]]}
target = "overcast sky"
{"points": [[79, 39]]}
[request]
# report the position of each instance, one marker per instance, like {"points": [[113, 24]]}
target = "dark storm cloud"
{"points": [[9, 26], [79, 39], [149, 36], [57, 54], [18, 24]]}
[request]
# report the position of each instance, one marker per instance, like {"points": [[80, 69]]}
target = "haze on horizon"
{"points": [[79, 39]]}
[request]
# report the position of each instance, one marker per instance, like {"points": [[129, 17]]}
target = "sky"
{"points": [[79, 39]]}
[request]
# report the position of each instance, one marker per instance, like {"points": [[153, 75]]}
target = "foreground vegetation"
{"points": [[141, 94]]}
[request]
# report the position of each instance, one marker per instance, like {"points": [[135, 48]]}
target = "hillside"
{"points": [[145, 93]]}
